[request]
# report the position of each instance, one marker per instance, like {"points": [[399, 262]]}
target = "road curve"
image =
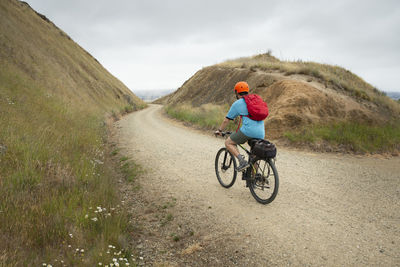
{"points": [[331, 209]]}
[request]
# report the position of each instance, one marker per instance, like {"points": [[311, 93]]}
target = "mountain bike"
{"points": [[261, 176]]}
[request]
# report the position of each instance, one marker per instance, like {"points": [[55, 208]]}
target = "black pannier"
{"points": [[263, 149]]}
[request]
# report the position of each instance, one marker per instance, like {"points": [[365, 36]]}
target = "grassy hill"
{"points": [[323, 106], [58, 197]]}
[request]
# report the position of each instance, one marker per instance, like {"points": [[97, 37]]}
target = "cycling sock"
{"points": [[241, 158]]}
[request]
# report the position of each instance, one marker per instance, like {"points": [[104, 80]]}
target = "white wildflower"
{"points": [[127, 264], [69, 246], [100, 263], [86, 216], [71, 235], [116, 264], [110, 246], [114, 260], [82, 250], [94, 219]]}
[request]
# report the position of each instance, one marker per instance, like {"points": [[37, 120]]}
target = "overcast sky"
{"points": [[151, 44]]}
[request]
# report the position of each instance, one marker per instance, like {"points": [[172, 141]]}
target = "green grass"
{"points": [[353, 136], [206, 116], [52, 177]]}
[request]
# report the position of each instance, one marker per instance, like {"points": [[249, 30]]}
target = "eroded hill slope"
{"points": [[297, 93]]}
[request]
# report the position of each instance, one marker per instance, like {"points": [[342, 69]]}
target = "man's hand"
{"points": [[218, 132]]}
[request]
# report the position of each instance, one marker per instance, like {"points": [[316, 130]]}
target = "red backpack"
{"points": [[257, 108]]}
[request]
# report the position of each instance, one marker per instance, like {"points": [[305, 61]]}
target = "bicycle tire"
{"points": [[224, 155], [257, 184]]}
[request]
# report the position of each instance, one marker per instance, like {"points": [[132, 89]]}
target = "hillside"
{"points": [[299, 94], [32, 47], [55, 101]]}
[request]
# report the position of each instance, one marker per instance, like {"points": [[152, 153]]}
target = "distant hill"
{"points": [[298, 93], [393, 95], [150, 95]]}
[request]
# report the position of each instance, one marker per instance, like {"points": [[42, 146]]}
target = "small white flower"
{"points": [[44, 264], [69, 246], [127, 264], [94, 219], [77, 249], [71, 235], [120, 259], [116, 264], [82, 250], [140, 258], [86, 216], [100, 263], [110, 246], [114, 259]]}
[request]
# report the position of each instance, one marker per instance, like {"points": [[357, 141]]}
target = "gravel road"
{"points": [[331, 209]]}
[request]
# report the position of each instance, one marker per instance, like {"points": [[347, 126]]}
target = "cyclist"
{"points": [[250, 128]]}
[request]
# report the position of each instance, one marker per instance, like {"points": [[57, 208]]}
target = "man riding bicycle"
{"points": [[250, 128]]}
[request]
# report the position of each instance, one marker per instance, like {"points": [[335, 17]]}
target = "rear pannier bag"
{"points": [[264, 149]]}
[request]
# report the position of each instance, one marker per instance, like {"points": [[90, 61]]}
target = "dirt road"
{"points": [[331, 210]]}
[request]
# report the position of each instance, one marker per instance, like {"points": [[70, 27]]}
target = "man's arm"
{"points": [[224, 124]]}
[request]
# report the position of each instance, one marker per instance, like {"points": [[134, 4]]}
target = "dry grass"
{"points": [[59, 202], [332, 76]]}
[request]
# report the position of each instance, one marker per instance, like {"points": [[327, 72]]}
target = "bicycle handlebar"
{"points": [[223, 134]]}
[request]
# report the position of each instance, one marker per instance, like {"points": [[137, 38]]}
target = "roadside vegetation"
{"points": [[351, 136], [59, 201], [207, 116]]}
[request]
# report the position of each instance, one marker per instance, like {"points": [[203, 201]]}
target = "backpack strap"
{"points": [[240, 121]]}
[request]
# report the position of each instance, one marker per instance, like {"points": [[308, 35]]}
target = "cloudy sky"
{"points": [[159, 44]]}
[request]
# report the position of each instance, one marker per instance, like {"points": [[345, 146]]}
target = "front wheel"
{"points": [[264, 181], [225, 168]]}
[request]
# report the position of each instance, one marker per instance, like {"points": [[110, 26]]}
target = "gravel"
{"points": [[331, 209]]}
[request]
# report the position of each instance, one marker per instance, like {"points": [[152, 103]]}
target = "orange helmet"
{"points": [[241, 87]]}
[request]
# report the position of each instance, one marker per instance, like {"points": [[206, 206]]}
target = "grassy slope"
{"points": [[348, 135], [53, 163]]}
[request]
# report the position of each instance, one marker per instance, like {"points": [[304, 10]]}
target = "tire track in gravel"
{"points": [[331, 209]]}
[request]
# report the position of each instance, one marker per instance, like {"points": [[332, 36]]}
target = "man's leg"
{"points": [[232, 147]]}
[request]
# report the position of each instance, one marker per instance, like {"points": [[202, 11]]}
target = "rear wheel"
{"points": [[264, 182], [225, 168]]}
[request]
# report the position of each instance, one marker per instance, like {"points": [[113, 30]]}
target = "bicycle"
{"points": [[261, 176]]}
